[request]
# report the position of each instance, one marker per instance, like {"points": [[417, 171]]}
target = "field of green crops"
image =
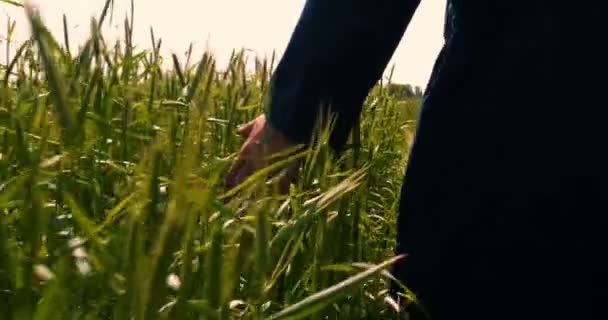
{"points": [[112, 204]]}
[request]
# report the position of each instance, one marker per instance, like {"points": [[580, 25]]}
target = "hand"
{"points": [[262, 141]]}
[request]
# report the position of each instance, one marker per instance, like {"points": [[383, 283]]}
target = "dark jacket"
{"points": [[504, 203]]}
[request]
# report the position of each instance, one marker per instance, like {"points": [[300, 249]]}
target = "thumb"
{"points": [[245, 130]]}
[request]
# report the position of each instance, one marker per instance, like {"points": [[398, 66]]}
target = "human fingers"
{"points": [[245, 129], [242, 167]]}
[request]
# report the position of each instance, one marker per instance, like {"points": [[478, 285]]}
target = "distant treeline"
{"points": [[404, 91]]}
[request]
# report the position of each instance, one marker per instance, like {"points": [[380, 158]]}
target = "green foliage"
{"points": [[112, 204], [11, 2], [403, 91]]}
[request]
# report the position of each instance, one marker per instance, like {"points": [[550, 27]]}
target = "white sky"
{"points": [[223, 25]]}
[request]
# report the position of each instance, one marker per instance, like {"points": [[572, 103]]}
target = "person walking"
{"points": [[503, 208]]}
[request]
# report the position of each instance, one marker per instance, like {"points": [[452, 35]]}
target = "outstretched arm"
{"points": [[337, 52]]}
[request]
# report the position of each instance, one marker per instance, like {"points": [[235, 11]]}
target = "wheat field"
{"points": [[112, 200]]}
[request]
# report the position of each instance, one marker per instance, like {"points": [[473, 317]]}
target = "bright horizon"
{"points": [[221, 26]]}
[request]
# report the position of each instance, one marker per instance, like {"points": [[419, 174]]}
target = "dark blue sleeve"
{"points": [[337, 53]]}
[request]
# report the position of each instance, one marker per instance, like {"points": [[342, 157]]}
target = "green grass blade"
{"points": [[200, 70], [104, 12], [214, 270], [14, 61], [325, 297], [66, 36], [55, 80], [11, 2], [88, 227]]}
